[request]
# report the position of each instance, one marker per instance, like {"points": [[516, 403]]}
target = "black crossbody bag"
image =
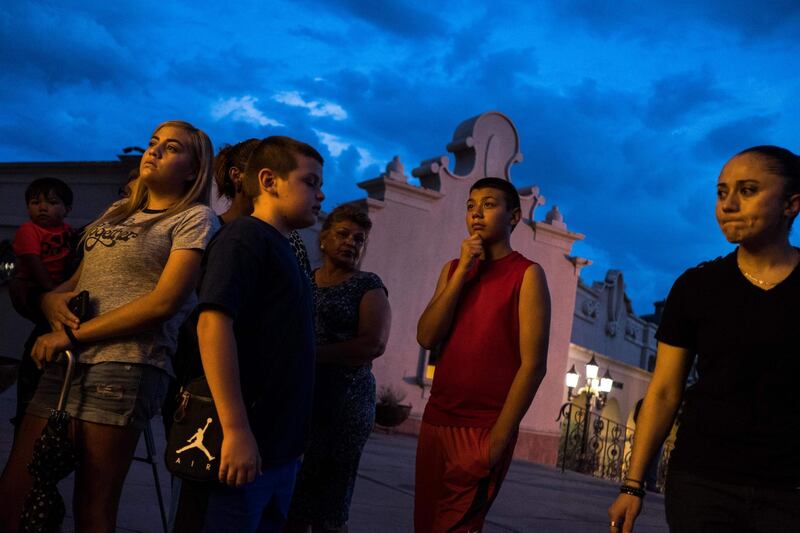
{"points": [[194, 444]]}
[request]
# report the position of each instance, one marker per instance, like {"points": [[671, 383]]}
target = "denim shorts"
{"points": [[118, 394]]}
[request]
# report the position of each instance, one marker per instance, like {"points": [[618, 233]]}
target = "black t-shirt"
{"points": [[741, 419], [250, 273]]}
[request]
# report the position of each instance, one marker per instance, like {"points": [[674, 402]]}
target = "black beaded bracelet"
{"points": [[71, 336], [633, 491]]}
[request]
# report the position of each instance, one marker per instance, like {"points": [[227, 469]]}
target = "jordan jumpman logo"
{"points": [[196, 441]]}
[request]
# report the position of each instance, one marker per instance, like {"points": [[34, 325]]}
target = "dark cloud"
{"points": [[678, 97], [503, 72], [605, 17], [59, 46], [752, 20], [403, 18], [649, 21], [596, 103], [468, 45], [227, 71], [727, 139]]}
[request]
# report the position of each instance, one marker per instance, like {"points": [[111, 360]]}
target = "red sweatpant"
{"points": [[455, 486]]}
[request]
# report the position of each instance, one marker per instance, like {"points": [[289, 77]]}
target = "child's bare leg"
{"points": [[105, 455]]}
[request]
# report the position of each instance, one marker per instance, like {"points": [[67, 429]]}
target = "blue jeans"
{"points": [[695, 504], [260, 506]]}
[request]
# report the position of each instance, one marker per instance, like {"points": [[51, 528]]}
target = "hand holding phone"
{"points": [[79, 305]]}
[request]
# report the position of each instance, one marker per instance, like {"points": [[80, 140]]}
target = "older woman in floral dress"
{"points": [[353, 319]]}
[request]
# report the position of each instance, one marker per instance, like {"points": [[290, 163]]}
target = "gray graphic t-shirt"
{"points": [[123, 262]]}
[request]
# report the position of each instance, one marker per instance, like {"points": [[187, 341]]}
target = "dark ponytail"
{"points": [[230, 156]]}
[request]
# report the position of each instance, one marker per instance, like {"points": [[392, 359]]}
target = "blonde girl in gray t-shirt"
{"points": [[141, 264]]}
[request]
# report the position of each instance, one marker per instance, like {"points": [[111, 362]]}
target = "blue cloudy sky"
{"points": [[626, 110]]}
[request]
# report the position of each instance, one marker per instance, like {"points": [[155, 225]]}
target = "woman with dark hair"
{"points": [[141, 264], [736, 462], [229, 168], [352, 327]]}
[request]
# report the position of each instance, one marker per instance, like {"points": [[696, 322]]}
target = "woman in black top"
{"points": [[736, 463], [352, 327]]}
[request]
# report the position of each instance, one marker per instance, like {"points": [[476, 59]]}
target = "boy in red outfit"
{"points": [[490, 314]]}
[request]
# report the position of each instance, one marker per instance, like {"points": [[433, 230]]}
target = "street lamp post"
{"points": [[596, 391]]}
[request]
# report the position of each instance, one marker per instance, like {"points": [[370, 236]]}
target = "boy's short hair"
{"points": [[510, 192], [278, 153], [47, 185]]}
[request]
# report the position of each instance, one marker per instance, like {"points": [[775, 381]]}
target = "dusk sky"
{"points": [[626, 110]]}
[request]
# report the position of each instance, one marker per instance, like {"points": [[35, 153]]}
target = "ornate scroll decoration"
{"points": [[486, 145]]}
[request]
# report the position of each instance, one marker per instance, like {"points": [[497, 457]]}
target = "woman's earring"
{"points": [[321, 246]]}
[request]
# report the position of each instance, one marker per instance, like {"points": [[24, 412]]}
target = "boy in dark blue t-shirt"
{"points": [[256, 336]]}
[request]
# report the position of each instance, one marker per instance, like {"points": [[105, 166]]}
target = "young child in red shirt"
{"points": [[42, 247], [490, 314]]}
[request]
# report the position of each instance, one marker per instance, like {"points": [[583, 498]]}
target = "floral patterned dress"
{"points": [[299, 249], [344, 411]]}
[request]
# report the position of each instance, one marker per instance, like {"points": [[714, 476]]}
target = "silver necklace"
{"points": [[760, 282], [752, 278]]}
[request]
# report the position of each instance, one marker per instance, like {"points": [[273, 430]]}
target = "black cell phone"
{"points": [[79, 305]]}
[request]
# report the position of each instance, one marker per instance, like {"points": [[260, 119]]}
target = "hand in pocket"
{"points": [[497, 444]]}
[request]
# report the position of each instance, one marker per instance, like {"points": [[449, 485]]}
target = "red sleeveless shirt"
{"points": [[480, 356]]}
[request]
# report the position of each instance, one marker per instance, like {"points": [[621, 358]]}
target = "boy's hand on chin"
{"points": [[471, 251]]}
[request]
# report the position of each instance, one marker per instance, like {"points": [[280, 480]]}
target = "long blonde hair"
{"points": [[203, 155]]}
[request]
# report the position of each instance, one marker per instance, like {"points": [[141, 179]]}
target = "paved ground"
{"points": [[533, 498]]}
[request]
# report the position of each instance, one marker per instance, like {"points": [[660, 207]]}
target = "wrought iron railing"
{"points": [[599, 446]]}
